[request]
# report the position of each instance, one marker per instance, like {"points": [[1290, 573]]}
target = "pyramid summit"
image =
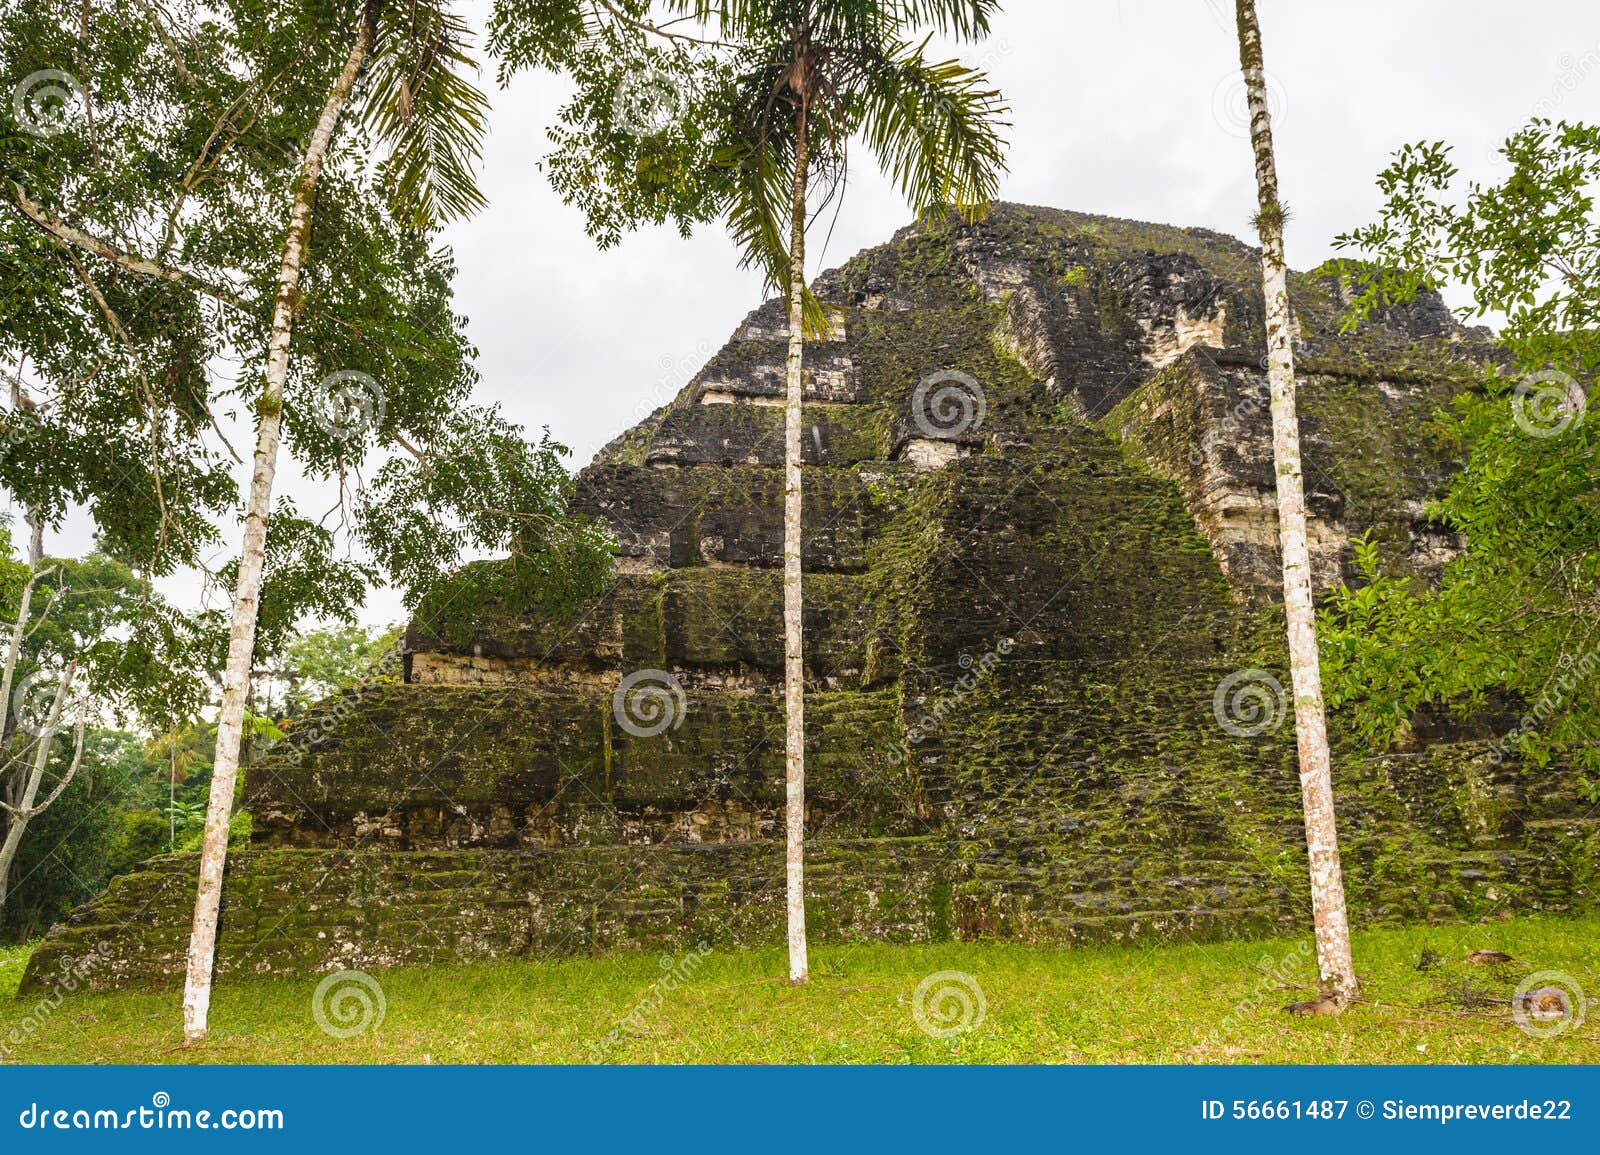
{"points": [[1046, 695]]}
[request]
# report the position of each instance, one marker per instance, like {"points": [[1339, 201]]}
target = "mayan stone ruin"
{"points": [[1027, 613]]}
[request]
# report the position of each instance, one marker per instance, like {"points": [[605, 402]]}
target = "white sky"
{"points": [[1130, 109]]}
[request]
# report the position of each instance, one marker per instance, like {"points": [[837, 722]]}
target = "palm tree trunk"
{"points": [[1329, 915], [794, 667], [252, 558]]}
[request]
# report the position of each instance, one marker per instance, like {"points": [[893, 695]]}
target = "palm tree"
{"points": [[431, 119], [807, 77], [1331, 920]]}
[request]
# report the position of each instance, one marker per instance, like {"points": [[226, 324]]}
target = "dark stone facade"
{"points": [[1016, 632]]}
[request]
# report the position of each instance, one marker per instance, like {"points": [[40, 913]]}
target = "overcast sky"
{"points": [[1131, 109]]}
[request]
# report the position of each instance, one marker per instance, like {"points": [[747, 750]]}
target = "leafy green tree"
{"points": [[324, 661], [432, 120], [132, 204], [252, 170], [87, 638], [143, 257], [144, 832], [477, 485], [99, 826], [634, 145], [1516, 617], [179, 760]]}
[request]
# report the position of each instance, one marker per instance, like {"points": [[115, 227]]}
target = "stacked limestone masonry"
{"points": [[1014, 640]]}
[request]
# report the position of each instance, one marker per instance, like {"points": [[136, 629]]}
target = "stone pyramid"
{"points": [[1044, 670]]}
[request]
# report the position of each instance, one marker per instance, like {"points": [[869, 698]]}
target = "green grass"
{"points": [[1217, 1003], [12, 961]]}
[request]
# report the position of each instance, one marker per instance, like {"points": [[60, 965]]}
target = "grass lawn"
{"points": [[1220, 1003]]}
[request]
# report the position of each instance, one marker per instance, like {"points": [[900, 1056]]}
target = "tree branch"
{"points": [[14, 647], [421, 457], [41, 758], [660, 30], [72, 769], [144, 267], [171, 45]]}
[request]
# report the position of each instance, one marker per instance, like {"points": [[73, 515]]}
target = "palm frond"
{"points": [[757, 164], [422, 107], [935, 127], [961, 19], [757, 160], [839, 21]]}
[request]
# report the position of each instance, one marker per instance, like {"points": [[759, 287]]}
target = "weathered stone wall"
{"points": [[1204, 420], [517, 766], [1016, 633], [1087, 852], [306, 910]]}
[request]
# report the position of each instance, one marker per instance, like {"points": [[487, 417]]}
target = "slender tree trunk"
{"points": [[794, 666], [25, 810], [252, 558], [15, 774], [1337, 973], [19, 628]]}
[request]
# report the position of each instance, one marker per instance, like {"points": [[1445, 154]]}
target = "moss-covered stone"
{"points": [[1016, 638], [535, 765]]}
